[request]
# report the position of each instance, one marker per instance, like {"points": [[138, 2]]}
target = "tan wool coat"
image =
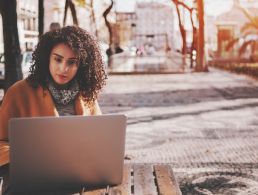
{"points": [[21, 100]]}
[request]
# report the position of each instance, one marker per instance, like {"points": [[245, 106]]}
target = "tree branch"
{"points": [[106, 12]]}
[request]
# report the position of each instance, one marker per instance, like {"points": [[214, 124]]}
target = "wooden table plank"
{"points": [[167, 184], [125, 187], [138, 179], [144, 180], [4, 153]]}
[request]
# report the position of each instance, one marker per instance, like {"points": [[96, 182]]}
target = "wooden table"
{"points": [[138, 179]]}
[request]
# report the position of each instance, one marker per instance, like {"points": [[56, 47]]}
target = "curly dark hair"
{"points": [[91, 75]]}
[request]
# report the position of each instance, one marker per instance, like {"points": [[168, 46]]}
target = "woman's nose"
{"points": [[64, 67]]}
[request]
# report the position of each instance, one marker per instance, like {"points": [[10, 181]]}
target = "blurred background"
{"points": [[142, 35], [169, 66], [135, 35]]}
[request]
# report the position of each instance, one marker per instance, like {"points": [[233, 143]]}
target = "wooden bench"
{"points": [[138, 179]]}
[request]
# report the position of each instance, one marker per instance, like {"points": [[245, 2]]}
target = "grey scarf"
{"points": [[63, 95]]}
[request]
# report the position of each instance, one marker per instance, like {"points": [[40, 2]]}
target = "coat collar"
{"points": [[80, 105]]}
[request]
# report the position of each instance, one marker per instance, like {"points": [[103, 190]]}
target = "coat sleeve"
{"points": [[8, 109]]}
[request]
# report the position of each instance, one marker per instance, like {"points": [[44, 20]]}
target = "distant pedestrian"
{"points": [[54, 26], [65, 78]]}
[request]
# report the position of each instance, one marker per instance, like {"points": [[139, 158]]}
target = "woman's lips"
{"points": [[62, 77]]}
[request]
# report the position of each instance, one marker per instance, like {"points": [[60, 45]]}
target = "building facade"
{"points": [[154, 25], [27, 15], [149, 26], [224, 28], [126, 23]]}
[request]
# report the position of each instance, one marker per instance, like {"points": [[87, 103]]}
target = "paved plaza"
{"points": [[204, 124]]}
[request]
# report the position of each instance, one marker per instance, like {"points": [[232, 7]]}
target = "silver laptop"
{"points": [[49, 153]]}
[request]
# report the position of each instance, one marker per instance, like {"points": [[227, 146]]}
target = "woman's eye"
{"points": [[58, 60], [71, 62]]}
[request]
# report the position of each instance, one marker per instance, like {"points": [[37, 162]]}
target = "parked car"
{"points": [[25, 64]]}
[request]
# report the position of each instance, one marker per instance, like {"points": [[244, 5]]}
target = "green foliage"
{"points": [[250, 29]]}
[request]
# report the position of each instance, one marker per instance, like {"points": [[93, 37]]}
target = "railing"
{"points": [[159, 62]]}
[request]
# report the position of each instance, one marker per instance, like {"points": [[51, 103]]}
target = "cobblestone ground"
{"points": [[204, 124]]}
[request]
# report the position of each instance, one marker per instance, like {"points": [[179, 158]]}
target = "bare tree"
{"points": [[105, 14], [182, 29], [194, 37], [194, 30], [181, 26], [198, 34], [70, 4], [200, 65], [12, 51], [41, 17]]}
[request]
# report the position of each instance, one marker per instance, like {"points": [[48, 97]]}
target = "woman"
{"points": [[65, 78]]}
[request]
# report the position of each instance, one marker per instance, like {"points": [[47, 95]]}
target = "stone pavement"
{"points": [[204, 124]]}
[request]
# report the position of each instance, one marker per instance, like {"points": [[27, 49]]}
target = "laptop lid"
{"points": [[66, 152]]}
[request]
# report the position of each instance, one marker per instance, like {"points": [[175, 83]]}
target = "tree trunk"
{"points": [[65, 12], [193, 46], [194, 39], [74, 14], [12, 51], [200, 44], [106, 12], [41, 17], [70, 4], [182, 31]]}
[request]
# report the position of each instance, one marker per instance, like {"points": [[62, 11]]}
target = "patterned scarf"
{"points": [[63, 95]]}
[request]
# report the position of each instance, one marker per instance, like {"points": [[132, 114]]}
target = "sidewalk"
{"points": [[203, 124]]}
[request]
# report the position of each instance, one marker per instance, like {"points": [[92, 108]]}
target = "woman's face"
{"points": [[63, 64]]}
